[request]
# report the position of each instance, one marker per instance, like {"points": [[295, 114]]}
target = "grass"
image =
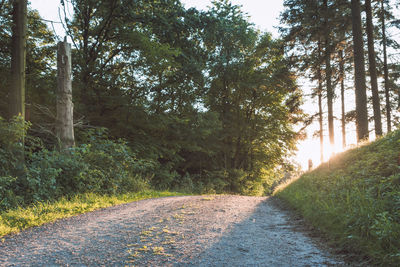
{"points": [[355, 200], [13, 221]]}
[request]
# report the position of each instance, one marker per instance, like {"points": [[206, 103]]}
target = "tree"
{"points": [[18, 59], [126, 54], [315, 31], [253, 91], [304, 39], [342, 98], [64, 121], [202, 97], [40, 65], [5, 56], [372, 70], [328, 71], [320, 111], [359, 71], [385, 69]]}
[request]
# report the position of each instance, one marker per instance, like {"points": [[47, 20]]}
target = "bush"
{"points": [[102, 166], [51, 174], [8, 197], [11, 146], [11, 167], [113, 167]]}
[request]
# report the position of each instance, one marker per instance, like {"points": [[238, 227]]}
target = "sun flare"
{"points": [[309, 151]]}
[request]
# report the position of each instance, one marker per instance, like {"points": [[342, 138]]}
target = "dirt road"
{"points": [[173, 231]]}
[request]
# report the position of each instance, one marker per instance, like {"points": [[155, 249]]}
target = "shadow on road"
{"points": [[268, 237]]}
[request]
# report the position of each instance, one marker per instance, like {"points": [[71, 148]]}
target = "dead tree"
{"points": [[65, 107]]}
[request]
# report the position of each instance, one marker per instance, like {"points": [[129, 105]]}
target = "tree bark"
{"points": [[385, 71], [18, 59], [328, 70], [320, 112], [372, 70], [65, 121], [342, 89], [359, 71]]}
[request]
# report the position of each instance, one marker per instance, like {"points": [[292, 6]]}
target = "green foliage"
{"points": [[193, 92], [102, 166], [40, 61], [255, 96], [199, 101], [11, 145], [11, 150], [7, 192], [355, 199], [112, 167]]}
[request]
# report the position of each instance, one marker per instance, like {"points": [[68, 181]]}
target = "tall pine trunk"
{"points": [[385, 70], [18, 59], [359, 73], [342, 88], [320, 112], [372, 70], [329, 87]]}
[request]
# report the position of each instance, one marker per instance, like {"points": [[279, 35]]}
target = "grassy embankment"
{"points": [[355, 200], [15, 220]]}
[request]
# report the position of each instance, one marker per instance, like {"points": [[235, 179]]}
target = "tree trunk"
{"points": [[343, 118], [372, 71], [329, 87], [385, 71], [359, 71], [18, 59], [320, 112], [65, 121]]}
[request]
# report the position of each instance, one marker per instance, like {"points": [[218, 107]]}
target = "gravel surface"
{"points": [[172, 231]]}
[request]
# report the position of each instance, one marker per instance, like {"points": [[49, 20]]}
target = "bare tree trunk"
{"points": [[320, 112], [321, 124], [359, 71], [65, 121], [343, 119], [18, 59], [385, 71], [329, 87], [372, 71]]}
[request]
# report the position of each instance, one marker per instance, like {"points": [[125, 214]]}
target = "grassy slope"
{"points": [[355, 200], [13, 221]]}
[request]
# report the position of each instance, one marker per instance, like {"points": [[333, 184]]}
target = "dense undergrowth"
{"points": [[355, 200], [33, 173]]}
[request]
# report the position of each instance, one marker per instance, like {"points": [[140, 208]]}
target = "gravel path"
{"points": [[173, 231]]}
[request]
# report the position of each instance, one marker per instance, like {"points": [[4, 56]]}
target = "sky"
{"points": [[265, 15]]}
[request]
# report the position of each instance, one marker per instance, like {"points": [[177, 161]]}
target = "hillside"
{"points": [[355, 200]]}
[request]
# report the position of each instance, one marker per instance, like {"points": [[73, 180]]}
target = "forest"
{"points": [[344, 46], [171, 98], [164, 97]]}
